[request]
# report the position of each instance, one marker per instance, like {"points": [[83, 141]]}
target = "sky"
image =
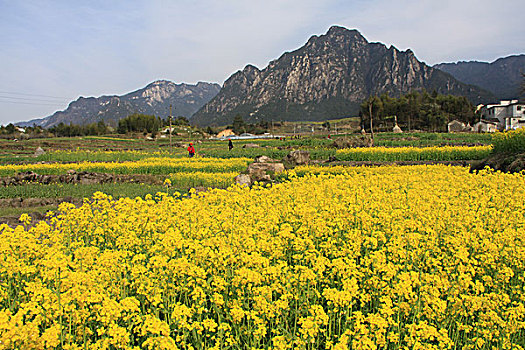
{"points": [[54, 51]]}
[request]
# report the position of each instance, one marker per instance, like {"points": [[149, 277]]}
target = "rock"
{"points": [[262, 172], [264, 159], [265, 167], [251, 145], [35, 202], [39, 151], [352, 142], [508, 163], [46, 179], [517, 165], [15, 202], [298, 157], [11, 202], [243, 180]]}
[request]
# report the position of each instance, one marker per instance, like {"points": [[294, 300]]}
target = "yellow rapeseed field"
{"points": [[420, 257], [152, 165], [434, 153]]}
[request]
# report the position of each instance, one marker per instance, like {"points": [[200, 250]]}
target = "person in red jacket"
{"points": [[191, 150]]}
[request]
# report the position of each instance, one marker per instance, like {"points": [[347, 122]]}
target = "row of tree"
{"points": [[139, 123], [65, 130], [239, 126], [415, 110]]}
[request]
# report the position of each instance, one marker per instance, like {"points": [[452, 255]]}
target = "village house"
{"points": [[507, 115]]}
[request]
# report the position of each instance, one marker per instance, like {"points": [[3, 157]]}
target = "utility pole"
{"points": [[170, 127], [370, 113]]}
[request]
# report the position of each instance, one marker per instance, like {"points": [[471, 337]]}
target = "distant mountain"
{"points": [[326, 78], [501, 77], [153, 99]]}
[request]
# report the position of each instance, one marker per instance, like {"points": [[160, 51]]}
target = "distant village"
{"points": [[506, 115]]}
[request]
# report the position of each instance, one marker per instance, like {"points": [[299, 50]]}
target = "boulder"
{"points": [[265, 167], [261, 172], [39, 151], [507, 163], [251, 145], [264, 159], [298, 157], [243, 180]]}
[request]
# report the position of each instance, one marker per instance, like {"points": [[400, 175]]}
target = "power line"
{"points": [[30, 99], [25, 94], [29, 103]]}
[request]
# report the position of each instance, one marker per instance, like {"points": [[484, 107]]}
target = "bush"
{"points": [[509, 142]]}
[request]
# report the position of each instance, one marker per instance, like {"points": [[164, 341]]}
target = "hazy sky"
{"points": [[52, 52]]}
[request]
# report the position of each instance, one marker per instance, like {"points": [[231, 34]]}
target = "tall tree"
{"points": [[371, 108], [238, 125]]}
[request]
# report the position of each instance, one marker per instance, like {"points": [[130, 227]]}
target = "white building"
{"points": [[509, 114]]}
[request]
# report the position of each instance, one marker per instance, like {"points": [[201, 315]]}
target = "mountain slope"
{"points": [[153, 99], [328, 77], [501, 77]]}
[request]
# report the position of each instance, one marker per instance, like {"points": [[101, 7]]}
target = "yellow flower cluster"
{"points": [[153, 165], [206, 179], [420, 257], [414, 153]]}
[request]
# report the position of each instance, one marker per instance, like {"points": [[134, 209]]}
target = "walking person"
{"points": [[230, 144], [191, 150]]}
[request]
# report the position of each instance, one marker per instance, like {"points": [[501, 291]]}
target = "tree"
{"points": [[181, 121], [238, 125], [10, 128], [139, 123], [371, 108]]}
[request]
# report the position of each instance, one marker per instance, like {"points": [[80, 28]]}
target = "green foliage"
{"points": [[512, 141], [424, 139], [117, 190], [8, 129], [416, 110], [180, 121], [139, 123], [63, 130], [379, 154], [238, 126]]}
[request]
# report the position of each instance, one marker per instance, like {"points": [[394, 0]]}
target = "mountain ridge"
{"points": [[155, 98], [502, 77], [328, 77]]}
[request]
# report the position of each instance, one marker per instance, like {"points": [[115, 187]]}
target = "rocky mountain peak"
{"points": [[337, 31], [154, 99], [326, 78]]}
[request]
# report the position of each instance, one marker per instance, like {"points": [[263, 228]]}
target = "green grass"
{"points": [[103, 156], [414, 154], [417, 139], [117, 190], [16, 212]]}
